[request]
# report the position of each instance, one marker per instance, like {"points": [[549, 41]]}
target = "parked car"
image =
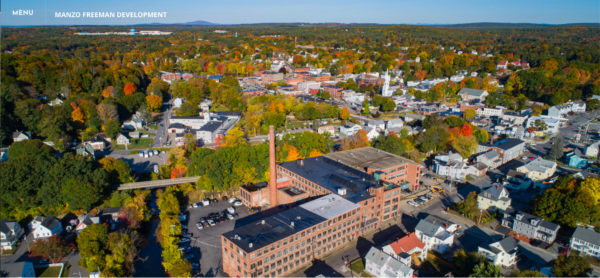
{"points": [[458, 232], [235, 215], [141, 154], [185, 239], [224, 198], [155, 152], [199, 204], [231, 210], [190, 206], [215, 201], [182, 217], [205, 202], [183, 226], [412, 203], [150, 153], [169, 143], [232, 200], [195, 205], [211, 222], [238, 203], [230, 216], [186, 235]]}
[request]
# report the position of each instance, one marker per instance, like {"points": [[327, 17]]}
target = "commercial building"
{"points": [[333, 199]]}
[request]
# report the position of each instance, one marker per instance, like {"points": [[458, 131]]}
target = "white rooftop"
{"points": [[329, 206]]}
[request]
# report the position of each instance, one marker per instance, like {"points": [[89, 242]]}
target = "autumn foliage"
{"points": [[108, 92], [129, 88], [466, 130], [154, 103], [178, 172], [77, 115]]}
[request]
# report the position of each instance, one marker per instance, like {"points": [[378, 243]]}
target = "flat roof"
{"points": [[292, 191], [279, 226], [333, 175], [330, 206], [369, 157]]}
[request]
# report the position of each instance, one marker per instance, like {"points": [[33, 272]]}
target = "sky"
{"points": [[312, 11]]}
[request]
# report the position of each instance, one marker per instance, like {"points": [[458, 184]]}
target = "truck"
{"points": [[155, 168]]}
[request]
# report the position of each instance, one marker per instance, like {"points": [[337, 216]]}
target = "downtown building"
{"points": [[332, 199]]}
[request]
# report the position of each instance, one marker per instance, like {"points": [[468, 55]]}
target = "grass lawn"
{"points": [[592, 260], [153, 126], [142, 143], [434, 268], [52, 271], [359, 266], [150, 134]]}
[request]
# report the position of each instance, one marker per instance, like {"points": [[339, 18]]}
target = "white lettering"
{"points": [[22, 12]]}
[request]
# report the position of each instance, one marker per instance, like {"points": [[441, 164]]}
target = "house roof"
{"points": [[505, 144], [427, 227], [491, 154], [395, 121], [528, 217], [494, 191], [377, 256], [377, 122], [211, 126], [50, 222], [177, 125], [507, 245], [4, 227], [471, 92], [111, 210], [587, 235], [18, 133], [407, 243], [515, 174]]}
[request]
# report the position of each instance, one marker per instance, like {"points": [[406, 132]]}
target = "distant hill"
{"points": [[197, 22]]}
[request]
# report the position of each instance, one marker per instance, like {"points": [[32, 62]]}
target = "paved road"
{"points": [[162, 136]]}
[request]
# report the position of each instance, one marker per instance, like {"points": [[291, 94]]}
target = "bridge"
{"points": [[157, 183]]}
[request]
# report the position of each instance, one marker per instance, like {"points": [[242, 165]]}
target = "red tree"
{"points": [[129, 88], [466, 130]]}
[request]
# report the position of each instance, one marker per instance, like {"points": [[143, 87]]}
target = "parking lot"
{"points": [[206, 243], [140, 164]]}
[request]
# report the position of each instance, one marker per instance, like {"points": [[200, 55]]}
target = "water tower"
{"points": [[132, 31]]}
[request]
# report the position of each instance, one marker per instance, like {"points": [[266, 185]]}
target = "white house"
{"points": [[208, 133], [10, 233], [177, 102], [451, 165], [562, 110], [205, 105], [591, 150], [135, 122], [378, 125], [502, 253], [327, 128], [380, 264], [49, 227], [493, 198], [349, 129], [436, 233], [372, 133], [404, 248], [394, 123], [489, 112], [538, 169], [409, 117], [586, 241], [122, 139], [352, 96], [21, 135], [56, 101]]}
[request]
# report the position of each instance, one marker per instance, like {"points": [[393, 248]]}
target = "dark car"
{"points": [[224, 198], [186, 235], [215, 201], [221, 218]]}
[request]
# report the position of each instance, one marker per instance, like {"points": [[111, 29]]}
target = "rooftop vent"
{"points": [[341, 191], [250, 245], [263, 222], [236, 236], [351, 154], [298, 217], [365, 156], [292, 224]]}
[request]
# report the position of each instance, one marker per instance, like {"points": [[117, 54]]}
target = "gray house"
{"points": [[507, 149], [10, 233], [530, 226], [586, 241], [21, 135]]}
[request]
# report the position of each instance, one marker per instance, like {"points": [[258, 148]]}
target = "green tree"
{"points": [[592, 104], [52, 248], [571, 266], [187, 109], [90, 243], [481, 135], [464, 262], [454, 121], [80, 195], [33, 147], [486, 269], [468, 206], [112, 128], [526, 273], [189, 140], [465, 146], [540, 125], [432, 121], [557, 150], [366, 109], [470, 113]]}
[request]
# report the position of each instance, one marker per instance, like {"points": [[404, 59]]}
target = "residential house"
{"points": [[177, 102], [507, 149], [122, 139], [530, 226], [562, 110], [327, 128], [591, 150], [436, 233], [493, 198], [489, 112], [85, 221], [21, 135], [502, 65], [19, 269], [472, 94], [451, 165], [205, 105], [97, 142], [502, 253], [113, 213], [56, 101], [134, 134], [86, 149], [410, 117], [173, 128], [398, 130], [517, 180], [404, 248], [538, 169], [349, 129], [379, 125], [136, 122], [10, 233], [49, 227], [380, 264], [586, 241], [477, 169], [372, 133], [490, 158], [352, 96], [394, 123], [36, 222], [513, 118], [576, 158]]}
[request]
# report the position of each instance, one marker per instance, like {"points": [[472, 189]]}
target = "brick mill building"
{"points": [[332, 199]]}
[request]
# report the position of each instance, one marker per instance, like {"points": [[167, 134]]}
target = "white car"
{"points": [[231, 210], [232, 200], [195, 205], [205, 202], [155, 152], [211, 222], [412, 203], [199, 226], [238, 203], [150, 153]]}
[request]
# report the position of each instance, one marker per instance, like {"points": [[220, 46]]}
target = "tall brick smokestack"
{"points": [[272, 167]]}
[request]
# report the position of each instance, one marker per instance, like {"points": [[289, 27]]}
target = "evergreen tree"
{"points": [[557, 149]]}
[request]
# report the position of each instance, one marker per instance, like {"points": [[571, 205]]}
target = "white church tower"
{"points": [[385, 91]]}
